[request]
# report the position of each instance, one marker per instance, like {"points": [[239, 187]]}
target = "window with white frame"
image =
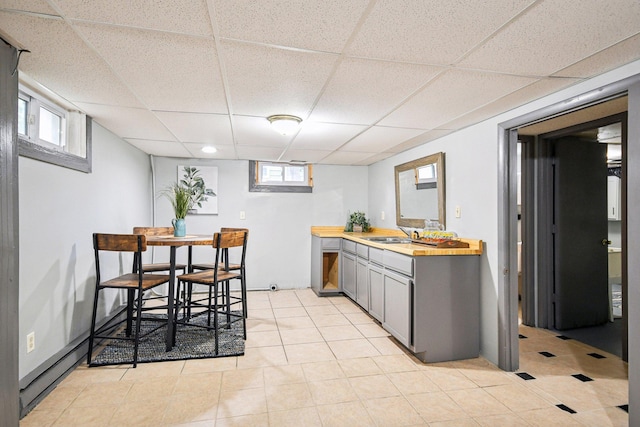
{"points": [[41, 121], [49, 132], [280, 177]]}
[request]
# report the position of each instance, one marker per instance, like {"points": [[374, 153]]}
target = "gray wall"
{"points": [[59, 210], [279, 247]]}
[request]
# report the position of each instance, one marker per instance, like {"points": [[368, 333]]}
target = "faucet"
{"points": [[405, 232]]}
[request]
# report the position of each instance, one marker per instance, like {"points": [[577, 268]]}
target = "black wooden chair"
{"points": [[231, 266], [135, 284], [160, 266], [219, 305]]}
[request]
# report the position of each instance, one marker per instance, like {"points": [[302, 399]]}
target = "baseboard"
{"points": [[41, 381]]}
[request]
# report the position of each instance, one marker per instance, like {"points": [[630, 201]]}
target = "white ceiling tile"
{"points": [[167, 71], [615, 56], [212, 129], [160, 148], [128, 122], [324, 136], [309, 156], [251, 152], [373, 159], [265, 81], [340, 66], [249, 130], [310, 24], [36, 6], [451, 95], [431, 31], [555, 34], [180, 16], [340, 157], [61, 62], [226, 152], [380, 138], [513, 100], [362, 91], [420, 140]]}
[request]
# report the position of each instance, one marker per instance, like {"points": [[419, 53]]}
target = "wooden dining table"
{"points": [[190, 241]]}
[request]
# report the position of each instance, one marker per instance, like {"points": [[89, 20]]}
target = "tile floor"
{"points": [[313, 361]]}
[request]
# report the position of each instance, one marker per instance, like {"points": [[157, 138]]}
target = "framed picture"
{"points": [[208, 175]]}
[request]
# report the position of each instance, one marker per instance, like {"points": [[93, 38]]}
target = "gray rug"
{"points": [[191, 343]]}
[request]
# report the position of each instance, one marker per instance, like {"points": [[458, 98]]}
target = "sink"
{"points": [[388, 239]]}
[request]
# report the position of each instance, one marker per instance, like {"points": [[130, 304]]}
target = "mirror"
{"points": [[420, 193]]}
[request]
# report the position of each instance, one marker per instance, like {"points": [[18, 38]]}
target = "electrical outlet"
{"points": [[458, 211], [242, 215], [31, 342]]}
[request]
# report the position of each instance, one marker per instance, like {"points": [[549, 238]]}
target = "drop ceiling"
{"points": [[369, 78]]}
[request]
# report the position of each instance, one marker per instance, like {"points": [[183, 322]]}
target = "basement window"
{"points": [[51, 133], [271, 177]]}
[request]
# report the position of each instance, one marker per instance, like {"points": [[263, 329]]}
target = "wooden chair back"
{"points": [[120, 242], [229, 239], [153, 231]]}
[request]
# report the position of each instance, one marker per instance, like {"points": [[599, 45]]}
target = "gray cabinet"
{"points": [[376, 291], [349, 271], [362, 283], [430, 304], [397, 306], [362, 278], [325, 265]]}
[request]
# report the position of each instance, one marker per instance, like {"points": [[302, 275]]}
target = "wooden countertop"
{"points": [[411, 249]]}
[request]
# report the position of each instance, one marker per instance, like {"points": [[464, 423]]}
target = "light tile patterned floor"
{"points": [[322, 362]]}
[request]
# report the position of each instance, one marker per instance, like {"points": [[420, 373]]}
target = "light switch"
{"points": [[242, 215], [458, 211], [382, 215]]}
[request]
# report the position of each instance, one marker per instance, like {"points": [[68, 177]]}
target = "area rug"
{"points": [[191, 343]]}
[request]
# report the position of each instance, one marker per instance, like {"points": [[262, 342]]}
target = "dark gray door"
{"points": [[580, 293]]}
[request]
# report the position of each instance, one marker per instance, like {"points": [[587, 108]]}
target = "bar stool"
{"points": [[157, 267], [217, 280], [232, 266], [135, 284]]}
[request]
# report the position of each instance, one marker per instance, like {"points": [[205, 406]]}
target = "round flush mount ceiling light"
{"points": [[209, 149], [284, 124]]}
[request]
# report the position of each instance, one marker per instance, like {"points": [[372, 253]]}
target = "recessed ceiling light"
{"points": [[209, 149], [284, 124]]}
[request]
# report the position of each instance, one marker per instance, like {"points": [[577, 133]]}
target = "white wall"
{"points": [[279, 247], [471, 163], [59, 210]]}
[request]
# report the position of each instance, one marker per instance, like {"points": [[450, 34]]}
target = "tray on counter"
{"points": [[441, 243]]}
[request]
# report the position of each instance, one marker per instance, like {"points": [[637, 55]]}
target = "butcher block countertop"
{"points": [[411, 249]]}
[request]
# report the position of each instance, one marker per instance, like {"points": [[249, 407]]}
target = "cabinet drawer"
{"points": [[333, 243], [348, 246], [397, 262], [363, 251], [375, 255]]}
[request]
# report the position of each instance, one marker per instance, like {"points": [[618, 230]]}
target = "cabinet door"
{"points": [[376, 292], [349, 275], [362, 284], [397, 306]]}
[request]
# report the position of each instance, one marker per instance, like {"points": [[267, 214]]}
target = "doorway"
{"points": [[570, 275]]}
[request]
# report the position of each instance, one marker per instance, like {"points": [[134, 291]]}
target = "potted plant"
{"points": [[190, 191], [358, 222]]}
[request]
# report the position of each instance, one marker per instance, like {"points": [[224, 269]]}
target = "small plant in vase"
{"points": [[358, 222], [190, 191]]}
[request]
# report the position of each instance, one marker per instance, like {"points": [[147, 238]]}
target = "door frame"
{"points": [[508, 350]]}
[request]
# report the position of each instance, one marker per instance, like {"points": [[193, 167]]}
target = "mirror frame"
{"points": [[438, 159]]}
